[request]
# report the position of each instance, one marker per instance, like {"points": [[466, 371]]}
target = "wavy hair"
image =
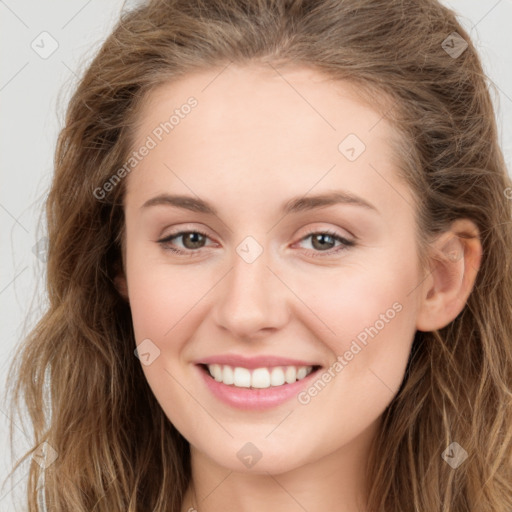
{"points": [[116, 448]]}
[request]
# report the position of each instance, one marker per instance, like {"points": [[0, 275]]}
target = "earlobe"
{"points": [[120, 281], [454, 262], [121, 285]]}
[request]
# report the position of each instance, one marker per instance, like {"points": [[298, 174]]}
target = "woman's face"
{"points": [[299, 251]]}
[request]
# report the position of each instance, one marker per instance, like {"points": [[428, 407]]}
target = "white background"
{"points": [[32, 114]]}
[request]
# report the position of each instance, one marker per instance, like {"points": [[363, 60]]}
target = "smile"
{"points": [[258, 388], [259, 378]]}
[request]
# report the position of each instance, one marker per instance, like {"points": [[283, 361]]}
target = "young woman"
{"points": [[279, 268]]}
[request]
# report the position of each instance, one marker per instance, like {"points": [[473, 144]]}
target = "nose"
{"points": [[251, 300]]}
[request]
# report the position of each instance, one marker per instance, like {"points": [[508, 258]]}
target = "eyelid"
{"points": [[181, 232], [345, 243], [332, 231], [185, 228]]}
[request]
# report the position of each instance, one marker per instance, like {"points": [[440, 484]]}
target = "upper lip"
{"points": [[254, 362]]}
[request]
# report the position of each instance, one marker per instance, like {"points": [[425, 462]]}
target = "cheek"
{"points": [[368, 317], [361, 313], [161, 303], [159, 295], [373, 321]]}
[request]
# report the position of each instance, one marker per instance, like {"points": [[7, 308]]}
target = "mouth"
{"points": [[257, 378]]}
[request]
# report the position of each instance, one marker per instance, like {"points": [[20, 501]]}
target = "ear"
{"points": [[121, 285], [454, 262], [120, 281]]}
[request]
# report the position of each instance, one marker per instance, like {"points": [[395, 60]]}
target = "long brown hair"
{"points": [[116, 448]]}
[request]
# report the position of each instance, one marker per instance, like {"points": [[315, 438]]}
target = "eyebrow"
{"points": [[294, 205]]}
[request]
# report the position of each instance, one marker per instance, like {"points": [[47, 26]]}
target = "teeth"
{"points": [[290, 375], [242, 378], [301, 373], [260, 377], [227, 375], [277, 377]]}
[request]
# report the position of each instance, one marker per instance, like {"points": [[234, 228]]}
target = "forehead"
{"points": [[256, 130], [263, 95]]}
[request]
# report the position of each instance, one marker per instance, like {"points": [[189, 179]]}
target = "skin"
{"points": [[251, 144]]}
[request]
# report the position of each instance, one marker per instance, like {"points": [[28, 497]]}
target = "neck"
{"points": [[334, 481]]}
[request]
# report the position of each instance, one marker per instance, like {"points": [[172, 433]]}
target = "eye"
{"points": [[322, 242], [191, 240]]}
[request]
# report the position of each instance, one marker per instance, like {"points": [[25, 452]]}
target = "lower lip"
{"points": [[254, 399]]}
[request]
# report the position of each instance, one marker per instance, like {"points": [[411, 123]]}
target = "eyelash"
{"points": [[346, 244]]}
